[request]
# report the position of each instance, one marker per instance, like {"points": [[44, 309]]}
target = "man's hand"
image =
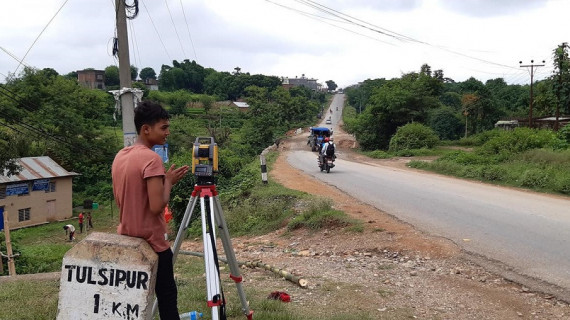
{"points": [[175, 174], [159, 190]]}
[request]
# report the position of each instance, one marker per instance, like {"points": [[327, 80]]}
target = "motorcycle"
{"points": [[327, 163]]}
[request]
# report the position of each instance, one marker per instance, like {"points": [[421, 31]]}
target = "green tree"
{"points": [[72, 75], [478, 103], [445, 122], [207, 102], [112, 76], [147, 73], [561, 80], [64, 121], [134, 73], [395, 103], [331, 85]]}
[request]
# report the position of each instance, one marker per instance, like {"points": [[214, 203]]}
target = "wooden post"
{"points": [[11, 265], [1, 263]]}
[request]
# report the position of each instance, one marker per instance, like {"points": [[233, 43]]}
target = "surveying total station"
{"points": [[205, 160], [204, 168]]}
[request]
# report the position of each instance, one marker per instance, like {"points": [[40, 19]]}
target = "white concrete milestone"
{"points": [[108, 276]]}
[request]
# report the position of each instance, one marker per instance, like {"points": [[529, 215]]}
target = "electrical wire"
{"points": [[188, 28], [135, 46], [39, 35], [390, 33], [175, 29], [321, 19], [156, 30], [14, 57]]}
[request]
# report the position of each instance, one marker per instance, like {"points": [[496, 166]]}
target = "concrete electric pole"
{"points": [[127, 101], [532, 66]]}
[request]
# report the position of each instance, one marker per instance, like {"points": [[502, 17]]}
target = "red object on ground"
{"points": [[279, 295], [167, 214]]}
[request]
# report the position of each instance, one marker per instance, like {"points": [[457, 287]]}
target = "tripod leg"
{"points": [[179, 238], [212, 272], [230, 256], [183, 227]]}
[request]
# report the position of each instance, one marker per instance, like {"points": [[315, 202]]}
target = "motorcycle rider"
{"points": [[321, 148], [328, 143]]}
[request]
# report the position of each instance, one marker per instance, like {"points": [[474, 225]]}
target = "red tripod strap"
{"points": [[236, 279]]}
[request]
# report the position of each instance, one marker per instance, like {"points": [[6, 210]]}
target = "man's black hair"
{"points": [[149, 112]]}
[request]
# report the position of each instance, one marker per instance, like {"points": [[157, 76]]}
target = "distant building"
{"points": [[40, 193], [92, 79], [151, 84], [546, 122], [507, 124], [303, 81], [242, 106]]}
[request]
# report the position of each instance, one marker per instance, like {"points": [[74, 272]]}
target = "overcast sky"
{"points": [[346, 41]]}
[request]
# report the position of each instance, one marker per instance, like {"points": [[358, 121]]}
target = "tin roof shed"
{"points": [[34, 168]]}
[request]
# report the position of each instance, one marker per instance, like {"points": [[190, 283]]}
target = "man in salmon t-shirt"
{"points": [[142, 189]]}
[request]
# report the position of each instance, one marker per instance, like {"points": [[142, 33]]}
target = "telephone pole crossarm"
{"points": [[532, 66]]}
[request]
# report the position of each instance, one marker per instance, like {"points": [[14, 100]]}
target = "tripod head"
{"points": [[205, 160]]}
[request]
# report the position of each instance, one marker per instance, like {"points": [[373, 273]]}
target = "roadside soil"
{"points": [[388, 271]]}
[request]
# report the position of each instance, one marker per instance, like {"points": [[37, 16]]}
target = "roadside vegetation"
{"points": [[525, 158], [426, 114]]}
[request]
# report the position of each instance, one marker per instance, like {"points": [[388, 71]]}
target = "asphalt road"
{"points": [[527, 232]]}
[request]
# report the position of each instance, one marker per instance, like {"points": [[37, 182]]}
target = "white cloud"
{"points": [[287, 38]]}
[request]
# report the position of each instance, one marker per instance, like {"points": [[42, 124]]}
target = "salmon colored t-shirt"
{"points": [[131, 167]]}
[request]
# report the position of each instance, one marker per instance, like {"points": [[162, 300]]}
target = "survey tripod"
{"points": [[211, 215]]}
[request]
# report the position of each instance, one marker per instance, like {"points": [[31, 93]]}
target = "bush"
{"points": [[493, 173], [466, 158], [562, 184], [519, 140], [479, 139], [564, 133], [320, 215], [413, 136], [378, 154], [535, 178]]}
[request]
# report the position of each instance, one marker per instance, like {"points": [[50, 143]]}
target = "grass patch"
{"points": [[42, 247], [29, 300], [543, 170], [424, 152], [321, 215]]}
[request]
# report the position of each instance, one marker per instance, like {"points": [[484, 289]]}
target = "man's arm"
{"points": [[159, 188]]}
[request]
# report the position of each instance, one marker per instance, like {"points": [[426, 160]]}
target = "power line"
{"points": [[134, 44], [389, 33], [39, 35], [321, 19], [188, 28], [14, 57], [175, 30], [156, 30]]}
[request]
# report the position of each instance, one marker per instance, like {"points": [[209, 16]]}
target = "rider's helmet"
{"points": [[326, 139]]}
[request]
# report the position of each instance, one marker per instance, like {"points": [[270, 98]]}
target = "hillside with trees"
{"points": [[46, 114]]}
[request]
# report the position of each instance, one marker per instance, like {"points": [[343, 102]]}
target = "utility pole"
{"points": [[127, 102], [532, 66]]}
